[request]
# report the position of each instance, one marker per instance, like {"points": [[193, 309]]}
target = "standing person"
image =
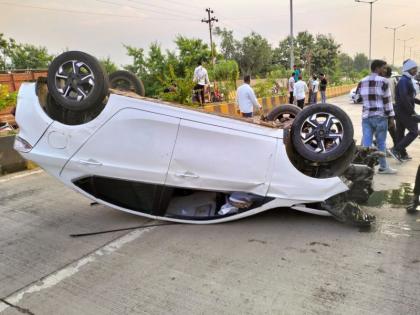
{"points": [[310, 90], [377, 108], [290, 87], [315, 88], [405, 97], [299, 90], [201, 78], [415, 202], [246, 99], [296, 73], [323, 88], [392, 129]]}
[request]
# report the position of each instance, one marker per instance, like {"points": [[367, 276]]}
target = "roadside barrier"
{"points": [[15, 79], [268, 103]]}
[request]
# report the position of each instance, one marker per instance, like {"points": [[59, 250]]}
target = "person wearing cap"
{"points": [[406, 117]]}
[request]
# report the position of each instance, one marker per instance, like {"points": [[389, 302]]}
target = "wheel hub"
{"points": [[322, 132], [74, 80]]}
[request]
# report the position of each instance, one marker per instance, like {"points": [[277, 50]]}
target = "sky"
{"points": [[101, 27]]}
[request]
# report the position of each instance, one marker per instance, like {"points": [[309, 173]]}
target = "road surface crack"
{"points": [[20, 309]]}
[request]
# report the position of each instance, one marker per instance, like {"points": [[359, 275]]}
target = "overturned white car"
{"points": [[170, 162]]}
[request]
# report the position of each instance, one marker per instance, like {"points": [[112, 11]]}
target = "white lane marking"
{"points": [[70, 270], [20, 175]]}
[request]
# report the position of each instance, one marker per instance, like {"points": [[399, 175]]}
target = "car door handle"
{"points": [[90, 162], [187, 175]]}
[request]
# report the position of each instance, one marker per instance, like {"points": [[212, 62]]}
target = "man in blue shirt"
{"points": [[406, 117]]}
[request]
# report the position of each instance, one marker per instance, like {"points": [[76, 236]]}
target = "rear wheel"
{"points": [[126, 81], [283, 113], [77, 81]]}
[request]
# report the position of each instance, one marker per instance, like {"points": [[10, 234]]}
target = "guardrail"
{"points": [[15, 79], [268, 103]]}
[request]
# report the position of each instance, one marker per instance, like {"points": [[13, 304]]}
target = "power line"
{"points": [[177, 11], [83, 12], [183, 4], [142, 9]]}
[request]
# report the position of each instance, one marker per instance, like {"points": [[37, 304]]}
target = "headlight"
{"points": [[22, 145]]}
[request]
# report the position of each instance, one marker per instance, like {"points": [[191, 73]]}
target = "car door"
{"points": [[133, 145], [211, 157]]}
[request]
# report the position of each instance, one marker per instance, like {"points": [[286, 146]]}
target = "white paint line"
{"points": [[29, 173], [60, 275]]}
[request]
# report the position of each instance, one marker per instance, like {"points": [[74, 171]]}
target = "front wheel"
{"points": [[322, 132], [77, 81]]}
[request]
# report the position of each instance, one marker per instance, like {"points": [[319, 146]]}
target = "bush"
{"points": [[263, 88], [180, 89], [226, 70], [7, 99]]}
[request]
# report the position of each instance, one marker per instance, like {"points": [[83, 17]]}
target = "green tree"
{"points": [[6, 46], [303, 46], [228, 45], [345, 63], [138, 66], [325, 54], [361, 62], [255, 54], [190, 52], [108, 65], [314, 54], [26, 56], [226, 70]]}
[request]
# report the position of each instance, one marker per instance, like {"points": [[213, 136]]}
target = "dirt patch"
{"points": [[257, 241], [319, 243], [12, 197], [329, 294]]}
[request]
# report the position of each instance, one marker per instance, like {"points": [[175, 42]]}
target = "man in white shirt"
{"points": [[299, 90], [291, 85], [246, 99], [201, 78], [315, 88]]}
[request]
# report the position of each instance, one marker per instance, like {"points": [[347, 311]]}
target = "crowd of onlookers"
{"points": [[299, 88], [389, 107]]}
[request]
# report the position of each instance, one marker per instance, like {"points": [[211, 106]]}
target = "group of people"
{"points": [[299, 88], [388, 106]]}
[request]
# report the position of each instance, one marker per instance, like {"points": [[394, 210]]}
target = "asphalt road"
{"points": [[279, 262]]}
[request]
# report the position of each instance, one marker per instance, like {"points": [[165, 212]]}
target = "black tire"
{"points": [[322, 132], [77, 81], [126, 81], [69, 117], [284, 111]]}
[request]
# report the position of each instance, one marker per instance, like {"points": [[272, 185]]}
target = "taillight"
{"points": [[22, 145]]}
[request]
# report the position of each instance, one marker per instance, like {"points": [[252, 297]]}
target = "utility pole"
{"points": [[370, 31], [210, 20], [292, 56], [393, 48], [405, 40]]}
